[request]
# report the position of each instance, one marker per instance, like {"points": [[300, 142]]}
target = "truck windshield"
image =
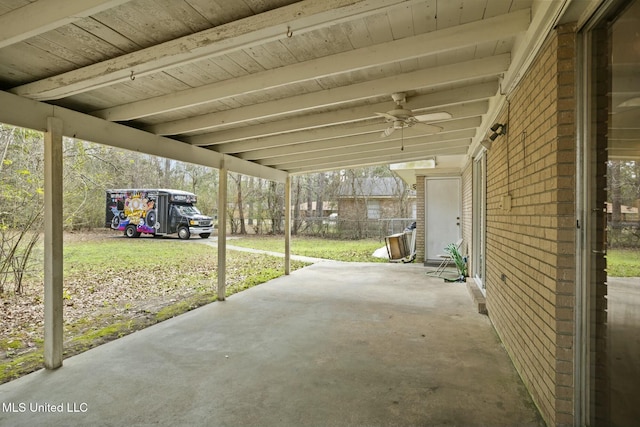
{"points": [[187, 210]]}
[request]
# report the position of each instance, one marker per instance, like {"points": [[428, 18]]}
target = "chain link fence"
{"points": [[351, 229]]}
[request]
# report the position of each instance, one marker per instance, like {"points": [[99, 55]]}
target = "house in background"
{"points": [[310, 210], [627, 213], [375, 198]]}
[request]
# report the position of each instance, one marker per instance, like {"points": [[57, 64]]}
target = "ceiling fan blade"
{"points": [[387, 116], [430, 117], [429, 128], [388, 131]]}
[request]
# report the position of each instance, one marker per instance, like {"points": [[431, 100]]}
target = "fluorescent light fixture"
{"points": [[633, 102], [428, 163]]}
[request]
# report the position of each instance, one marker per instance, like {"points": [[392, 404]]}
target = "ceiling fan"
{"points": [[400, 117]]}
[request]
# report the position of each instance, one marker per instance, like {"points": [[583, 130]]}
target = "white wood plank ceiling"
{"points": [[268, 84]]}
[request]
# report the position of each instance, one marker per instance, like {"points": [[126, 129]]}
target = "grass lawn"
{"points": [[338, 250], [114, 286], [623, 262]]}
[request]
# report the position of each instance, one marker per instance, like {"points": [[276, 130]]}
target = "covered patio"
{"points": [[333, 344], [267, 89], [496, 95]]}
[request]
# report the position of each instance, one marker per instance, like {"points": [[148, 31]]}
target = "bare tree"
{"points": [[21, 202], [275, 205], [240, 204], [320, 182], [297, 198]]}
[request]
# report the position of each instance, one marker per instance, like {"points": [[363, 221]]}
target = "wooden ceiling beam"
{"points": [[424, 78], [332, 143], [369, 145], [421, 45], [244, 138], [392, 156], [41, 16], [297, 18]]}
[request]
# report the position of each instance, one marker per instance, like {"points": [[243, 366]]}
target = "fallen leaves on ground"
{"points": [[116, 280]]}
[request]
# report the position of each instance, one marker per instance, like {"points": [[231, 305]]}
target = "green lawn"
{"points": [[338, 250], [115, 286], [623, 262], [154, 266], [620, 262]]}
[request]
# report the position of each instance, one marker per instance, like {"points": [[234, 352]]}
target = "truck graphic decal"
{"points": [[135, 208], [156, 212]]}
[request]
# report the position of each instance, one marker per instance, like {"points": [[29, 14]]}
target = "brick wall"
{"points": [[349, 208], [530, 276]]}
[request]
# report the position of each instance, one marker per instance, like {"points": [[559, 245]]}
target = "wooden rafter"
{"points": [[45, 15], [298, 18]]}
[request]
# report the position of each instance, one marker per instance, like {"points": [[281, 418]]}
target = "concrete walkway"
{"points": [[213, 241], [333, 344], [303, 258]]}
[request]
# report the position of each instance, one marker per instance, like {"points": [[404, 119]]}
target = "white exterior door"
{"points": [[442, 215]]}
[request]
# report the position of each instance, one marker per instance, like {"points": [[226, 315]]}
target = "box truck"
{"points": [[158, 212]]}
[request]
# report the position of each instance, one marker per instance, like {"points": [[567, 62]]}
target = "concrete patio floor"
{"points": [[333, 344]]}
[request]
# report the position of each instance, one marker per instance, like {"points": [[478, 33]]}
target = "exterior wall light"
{"points": [[497, 129]]}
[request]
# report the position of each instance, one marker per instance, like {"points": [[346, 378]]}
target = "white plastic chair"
{"points": [[446, 260]]}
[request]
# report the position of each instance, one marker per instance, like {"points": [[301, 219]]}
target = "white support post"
{"points": [[287, 225], [53, 248], [222, 233]]}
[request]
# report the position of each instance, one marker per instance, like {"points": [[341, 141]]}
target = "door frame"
{"points": [[587, 351], [162, 213], [479, 220], [458, 180]]}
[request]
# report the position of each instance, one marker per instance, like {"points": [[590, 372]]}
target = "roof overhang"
{"points": [[269, 88]]}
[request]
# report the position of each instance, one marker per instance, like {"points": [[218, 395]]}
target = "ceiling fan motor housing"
{"points": [[401, 113]]}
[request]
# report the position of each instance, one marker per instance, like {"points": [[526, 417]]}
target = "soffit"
{"points": [[288, 85]]}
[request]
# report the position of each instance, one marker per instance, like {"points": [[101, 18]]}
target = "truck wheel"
{"points": [[151, 218], [115, 222], [183, 233], [131, 231], [205, 235]]}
